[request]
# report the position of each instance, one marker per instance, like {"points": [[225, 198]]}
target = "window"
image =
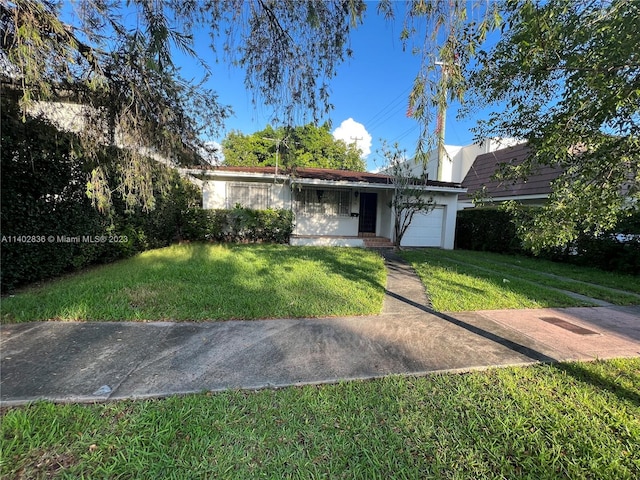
{"points": [[324, 202], [249, 195]]}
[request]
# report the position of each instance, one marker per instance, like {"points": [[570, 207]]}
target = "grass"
{"points": [[464, 281], [574, 420], [212, 282], [614, 280], [201, 282]]}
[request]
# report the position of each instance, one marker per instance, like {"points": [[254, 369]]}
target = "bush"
{"points": [[487, 229], [608, 253], [48, 224], [239, 225], [617, 250], [493, 230]]}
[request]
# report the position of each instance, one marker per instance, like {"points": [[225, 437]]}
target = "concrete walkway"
{"points": [[87, 362]]}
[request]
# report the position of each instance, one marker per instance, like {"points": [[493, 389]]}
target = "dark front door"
{"points": [[368, 213]]}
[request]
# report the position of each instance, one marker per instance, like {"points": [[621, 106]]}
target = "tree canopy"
{"points": [[445, 35], [564, 76], [568, 75], [302, 146], [116, 59]]}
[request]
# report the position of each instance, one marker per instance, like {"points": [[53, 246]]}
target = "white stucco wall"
{"points": [[333, 225], [325, 225], [280, 196], [450, 203], [214, 194], [459, 159], [384, 226], [347, 226]]}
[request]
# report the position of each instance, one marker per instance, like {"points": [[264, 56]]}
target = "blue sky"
{"points": [[372, 88]]}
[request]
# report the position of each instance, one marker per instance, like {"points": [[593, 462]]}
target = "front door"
{"points": [[368, 212]]}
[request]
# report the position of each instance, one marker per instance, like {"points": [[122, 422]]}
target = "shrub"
{"points": [[487, 229], [239, 224], [493, 230], [608, 253], [47, 221], [617, 250]]}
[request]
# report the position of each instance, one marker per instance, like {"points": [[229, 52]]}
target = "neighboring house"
{"points": [[458, 160], [332, 207], [481, 186]]}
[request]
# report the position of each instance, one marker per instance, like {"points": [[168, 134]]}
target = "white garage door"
{"points": [[425, 229]]}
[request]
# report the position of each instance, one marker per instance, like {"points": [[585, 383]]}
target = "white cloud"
{"points": [[351, 131]]}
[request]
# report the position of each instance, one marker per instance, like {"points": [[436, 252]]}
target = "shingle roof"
{"points": [[485, 166], [327, 174]]}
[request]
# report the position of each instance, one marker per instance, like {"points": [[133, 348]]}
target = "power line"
{"points": [[405, 133], [388, 110]]}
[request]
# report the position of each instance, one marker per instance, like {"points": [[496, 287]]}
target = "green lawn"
{"points": [[212, 282], [576, 272], [464, 281], [576, 420]]}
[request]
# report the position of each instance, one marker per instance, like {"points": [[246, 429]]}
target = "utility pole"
{"points": [[277, 141], [442, 120], [355, 140]]}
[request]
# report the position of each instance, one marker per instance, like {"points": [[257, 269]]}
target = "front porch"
{"points": [[362, 241]]}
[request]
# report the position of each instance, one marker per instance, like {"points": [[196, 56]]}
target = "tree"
{"points": [[565, 74], [115, 58], [409, 196], [257, 149], [301, 146], [445, 35], [568, 74]]}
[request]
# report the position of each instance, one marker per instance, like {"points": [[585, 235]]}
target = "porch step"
{"points": [[377, 242], [341, 241]]}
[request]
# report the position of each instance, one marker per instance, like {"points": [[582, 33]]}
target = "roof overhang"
{"points": [[231, 175], [314, 182], [507, 198]]}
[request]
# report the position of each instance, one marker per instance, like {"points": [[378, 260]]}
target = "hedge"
{"points": [[493, 230], [617, 250], [48, 225], [487, 229], [239, 225]]}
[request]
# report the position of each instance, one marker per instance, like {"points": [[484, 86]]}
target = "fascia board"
{"points": [[310, 181], [212, 174], [380, 186]]}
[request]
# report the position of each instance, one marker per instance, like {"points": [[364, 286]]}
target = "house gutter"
{"points": [[234, 174], [496, 200], [381, 186], [315, 182]]}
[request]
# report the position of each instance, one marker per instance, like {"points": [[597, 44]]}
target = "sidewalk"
{"points": [[87, 362]]}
